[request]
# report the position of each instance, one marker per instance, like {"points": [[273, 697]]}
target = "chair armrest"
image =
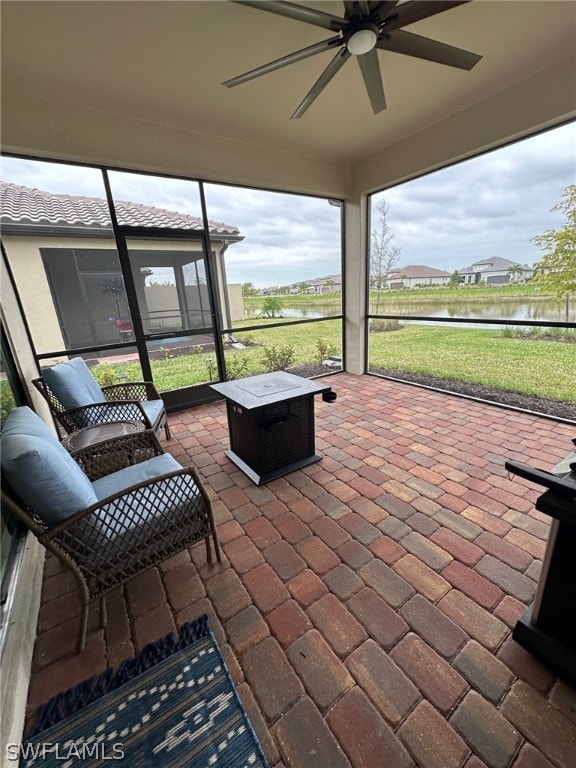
{"points": [[98, 413], [131, 390], [168, 511], [117, 453]]}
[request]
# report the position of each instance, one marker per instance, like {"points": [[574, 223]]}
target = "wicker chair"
{"points": [[126, 530], [129, 401]]}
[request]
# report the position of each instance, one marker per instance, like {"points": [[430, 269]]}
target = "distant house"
{"points": [[328, 284], [496, 271], [416, 276]]}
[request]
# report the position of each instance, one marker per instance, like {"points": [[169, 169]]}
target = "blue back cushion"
{"points": [[73, 383], [40, 470]]}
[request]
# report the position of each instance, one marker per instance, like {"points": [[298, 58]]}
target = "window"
{"points": [[452, 264]]}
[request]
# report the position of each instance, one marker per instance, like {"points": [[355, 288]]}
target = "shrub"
{"points": [[323, 350], [106, 374], [278, 358], [236, 366], [7, 402], [246, 338], [380, 326]]}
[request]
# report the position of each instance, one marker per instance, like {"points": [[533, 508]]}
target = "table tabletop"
{"points": [[83, 438], [268, 388]]}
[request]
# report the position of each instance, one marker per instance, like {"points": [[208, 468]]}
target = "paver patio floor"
{"points": [[364, 604]]}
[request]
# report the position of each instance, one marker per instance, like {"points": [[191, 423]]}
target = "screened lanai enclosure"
{"points": [[158, 286]]}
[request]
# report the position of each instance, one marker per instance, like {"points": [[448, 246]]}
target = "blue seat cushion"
{"points": [[134, 475], [40, 470], [73, 383], [153, 409]]}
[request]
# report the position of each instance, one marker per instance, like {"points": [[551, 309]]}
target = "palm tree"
{"points": [[115, 287], [516, 272]]}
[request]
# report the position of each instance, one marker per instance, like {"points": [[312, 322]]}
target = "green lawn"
{"points": [[491, 357]]}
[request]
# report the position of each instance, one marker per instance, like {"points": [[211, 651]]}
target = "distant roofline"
{"points": [[26, 210]]}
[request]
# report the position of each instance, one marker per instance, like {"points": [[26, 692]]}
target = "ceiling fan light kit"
{"points": [[363, 39], [366, 27]]}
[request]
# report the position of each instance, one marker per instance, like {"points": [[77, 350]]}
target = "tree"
{"points": [[384, 255], [114, 286], [271, 306], [556, 271], [515, 271], [454, 281], [248, 289]]}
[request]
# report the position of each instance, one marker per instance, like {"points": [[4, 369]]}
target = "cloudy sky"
{"points": [[490, 206]]}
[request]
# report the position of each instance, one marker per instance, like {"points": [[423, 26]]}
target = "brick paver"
{"points": [[388, 688], [431, 739], [325, 677], [364, 604], [365, 737], [442, 685], [486, 730]]}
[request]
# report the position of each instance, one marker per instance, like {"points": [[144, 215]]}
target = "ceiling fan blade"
{"points": [[373, 80], [366, 7], [415, 10], [349, 8], [337, 62], [298, 12], [383, 9], [410, 44], [291, 58]]}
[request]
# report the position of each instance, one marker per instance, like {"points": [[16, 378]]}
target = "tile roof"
{"points": [[497, 264], [324, 280], [26, 206], [418, 270]]}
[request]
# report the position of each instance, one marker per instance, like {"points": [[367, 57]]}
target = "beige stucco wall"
{"points": [[541, 101], [236, 302], [26, 264], [17, 652], [18, 339]]}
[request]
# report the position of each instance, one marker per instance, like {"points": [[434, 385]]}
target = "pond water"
{"points": [[310, 312], [482, 309], [507, 311], [541, 311]]}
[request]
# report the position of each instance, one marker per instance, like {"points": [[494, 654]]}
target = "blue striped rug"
{"points": [[173, 705]]}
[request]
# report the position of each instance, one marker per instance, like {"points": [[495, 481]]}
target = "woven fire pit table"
{"points": [[271, 423]]}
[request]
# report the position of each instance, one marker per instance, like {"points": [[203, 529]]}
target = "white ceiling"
{"points": [[165, 62]]}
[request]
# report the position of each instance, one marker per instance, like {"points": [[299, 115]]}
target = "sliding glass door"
{"points": [[173, 320]]}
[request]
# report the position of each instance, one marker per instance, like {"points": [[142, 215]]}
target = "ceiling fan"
{"points": [[365, 27]]}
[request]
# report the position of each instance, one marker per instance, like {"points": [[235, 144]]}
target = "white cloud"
{"points": [[488, 206], [492, 205]]}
